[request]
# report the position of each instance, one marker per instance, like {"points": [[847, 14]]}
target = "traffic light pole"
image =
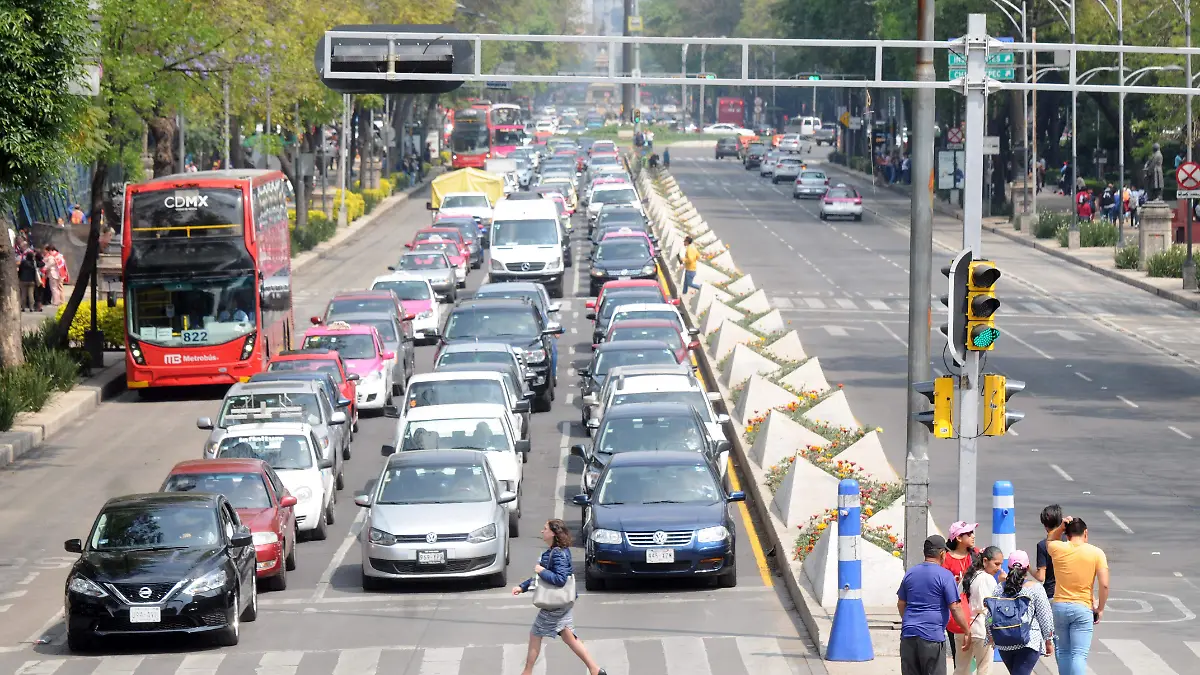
{"points": [[975, 85]]}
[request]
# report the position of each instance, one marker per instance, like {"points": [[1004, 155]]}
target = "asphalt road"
{"points": [[1111, 427], [324, 622]]}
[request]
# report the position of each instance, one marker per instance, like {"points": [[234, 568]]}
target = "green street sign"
{"points": [[995, 59], [1003, 74]]}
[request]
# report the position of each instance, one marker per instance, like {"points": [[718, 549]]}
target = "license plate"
{"points": [[624, 278], [660, 555], [145, 614], [431, 557]]}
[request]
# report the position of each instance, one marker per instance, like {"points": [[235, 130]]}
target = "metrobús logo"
{"points": [[178, 359]]}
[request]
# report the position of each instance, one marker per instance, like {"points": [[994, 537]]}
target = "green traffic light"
{"points": [[985, 338], [814, 77]]}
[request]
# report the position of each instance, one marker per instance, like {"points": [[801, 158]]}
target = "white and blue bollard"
{"points": [[849, 639], [1004, 524]]}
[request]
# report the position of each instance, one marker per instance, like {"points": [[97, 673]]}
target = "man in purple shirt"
{"points": [[927, 596]]}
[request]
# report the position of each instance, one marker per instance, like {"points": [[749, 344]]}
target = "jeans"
{"points": [[922, 657], [1073, 625], [1020, 661], [689, 280]]}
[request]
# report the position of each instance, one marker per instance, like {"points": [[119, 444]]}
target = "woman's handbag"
{"points": [[549, 596]]}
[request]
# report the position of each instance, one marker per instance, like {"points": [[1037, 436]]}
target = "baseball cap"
{"points": [[934, 545], [960, 528], [1018, 557]]}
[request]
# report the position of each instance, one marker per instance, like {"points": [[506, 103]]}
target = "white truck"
{"points": [[506, 169]]}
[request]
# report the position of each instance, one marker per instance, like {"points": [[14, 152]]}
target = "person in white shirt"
{"points": [[978, 583]]}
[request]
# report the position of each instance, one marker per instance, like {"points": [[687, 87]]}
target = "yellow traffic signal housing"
{"points": [[940, 420], [981, 306], [997, 418]]}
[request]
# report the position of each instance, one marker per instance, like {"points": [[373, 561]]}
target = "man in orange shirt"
{"points": [[1078, 566]]}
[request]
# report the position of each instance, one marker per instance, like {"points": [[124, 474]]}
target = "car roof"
{"points": [[649, 306], [501, 286], [670, 370], [401, 275], [271, 387], [455, 411], [361, 294], [645, 323], [308, 354], [163, 499], [482, 304], [631, 345], [656, 382], [232, 465], [291, 376], [630, 283], [499, 368], [649, 410], [481, 346], [353, 328], [454, 373], [437, 457], [657, 458]]}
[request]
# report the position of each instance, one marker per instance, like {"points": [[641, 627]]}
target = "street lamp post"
{"points": [[1189, 264]]}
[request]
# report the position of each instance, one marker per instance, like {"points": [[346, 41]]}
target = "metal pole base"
{"points": [[1189, 274], [93, 344], [1073, 239]]}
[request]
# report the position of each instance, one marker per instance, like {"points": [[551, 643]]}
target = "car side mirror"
{"points": [[553, 329], [326, 463], [578, 451], [555, 306], [581, 500], [584, 372], [429, 206], [353, 377], [344, 403], [738, 496], [392, 268], [388, 356], [409, 317], [391, 411], [204, 423], [241, 540], [723, 446], [523, 447], [593, 424], [723, 419], [362, 500], [521, 407], [591, 316], [590, 399], [288, 501], [338, 417], [73, 546], [674, 301], [590, 304], [408, 245], [507, 497], [693, 332]]}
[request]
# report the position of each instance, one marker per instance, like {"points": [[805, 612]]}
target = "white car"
{"points": [[611, 193], [417, 297], [482, 427], [767, 166], [791, 143], [468, 388], [291, 450], [726, 128], [546, 126], [473, 204], [841, 202]]}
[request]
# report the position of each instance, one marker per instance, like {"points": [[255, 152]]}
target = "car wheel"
{"points": [[795, 196], [822, 216], [79, 642], [499, 579], [370, 583], [277, 582], [321, 533], [514, 524], [340, 484], [330, 511], [229, 636], [251, 611], [858, 218], [289, 563], [346, 452], [728, 579], [592, 582], [544, 402]]}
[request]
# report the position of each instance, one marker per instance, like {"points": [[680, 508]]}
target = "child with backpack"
{"points": [[1020, 620]]}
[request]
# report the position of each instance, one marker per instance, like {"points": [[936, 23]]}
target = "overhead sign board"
{"points": [[499, 85], [994, 73]]}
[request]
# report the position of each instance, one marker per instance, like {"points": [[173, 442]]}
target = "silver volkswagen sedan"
{"points": [[435, 514]]}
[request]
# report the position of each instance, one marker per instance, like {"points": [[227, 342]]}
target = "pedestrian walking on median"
{"points": [[1078, 566], [1023, 642], [928, 597], [554, 595], [978, 584], [689, 258], [1044, 572], [961, 555]]}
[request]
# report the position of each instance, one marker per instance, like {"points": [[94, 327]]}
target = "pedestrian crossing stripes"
{"points": [[786, 303], [666, 655]]}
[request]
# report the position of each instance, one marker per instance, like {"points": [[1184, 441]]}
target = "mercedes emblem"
{"points": [[431, 538], [660, 537], [144, 592], [524, 267]]}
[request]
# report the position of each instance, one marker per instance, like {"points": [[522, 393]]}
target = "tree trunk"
{"points": [[430, 114], [91, 255], [10, 307], [237, 153], [364, 149], [162, 133]]}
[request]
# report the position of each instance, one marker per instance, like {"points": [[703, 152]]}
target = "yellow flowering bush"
{"points": [[356, 206], [110, 321]]}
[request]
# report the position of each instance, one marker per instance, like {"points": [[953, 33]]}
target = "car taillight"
{"points": [[858, 200], [827, 181]]}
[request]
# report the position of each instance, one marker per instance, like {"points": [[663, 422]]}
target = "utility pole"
{"points": [[700, 117], [344, 159], [637, 62], [1189, 265], [774, 107], [1073, 234], [968, 407], [179, 121], [920, 261], [301, 200], [1121, 131], [683, 106], [225, 165], [1033, 134], [626, 63]]}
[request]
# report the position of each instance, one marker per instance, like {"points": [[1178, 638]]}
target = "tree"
{"points": [[39, 121]]}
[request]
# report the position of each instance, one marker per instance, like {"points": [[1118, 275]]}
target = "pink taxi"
{"points": [[363, 353]]}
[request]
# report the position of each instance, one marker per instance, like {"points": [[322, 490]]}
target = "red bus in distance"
{"points": [[206, 267], [470, 141], [731, 111]]}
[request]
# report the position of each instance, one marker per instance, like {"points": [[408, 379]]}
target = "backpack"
{"points": [[1011, 620]]}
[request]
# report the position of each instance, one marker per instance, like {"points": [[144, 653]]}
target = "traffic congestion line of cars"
{"points": [[785, 164], [654, 493]]}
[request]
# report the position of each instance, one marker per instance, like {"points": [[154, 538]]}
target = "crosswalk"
{"points": [[665, 655]]}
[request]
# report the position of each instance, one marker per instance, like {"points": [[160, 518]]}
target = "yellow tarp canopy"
{"points": [[467, 180]]}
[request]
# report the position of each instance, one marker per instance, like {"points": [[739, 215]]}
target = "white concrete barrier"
{"points": [[759, 397], [730, 335], [788, 348], [771, 322], [778, 437], [834, 411], [744, 362], [808, 376], [755, 303], [719, 313]]}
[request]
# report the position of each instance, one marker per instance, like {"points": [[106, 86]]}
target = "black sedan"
{"points": [[624, 257], [173, 562], [617, 354], [656, 514]]}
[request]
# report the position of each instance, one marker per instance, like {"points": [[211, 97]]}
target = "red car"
{"points": [[325, 361], [459, 258], [439, 234], [263, 504], [639, 284], [652, 329]]}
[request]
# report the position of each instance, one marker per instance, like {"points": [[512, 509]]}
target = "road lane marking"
{"points": [[358, 662], [1180, 432], [118, 665], [762, 656], [560, 476], [571, 398], [1059, 470], [442, 661], [610, 653], [1083, 377], [846, 303], [1137, 657], [512, 660], [1117, 521], [1031, 347], [342, 550], [200, 664], [279, 663], [878, 305], [1127, 402], [39, 667], [686, 655]]}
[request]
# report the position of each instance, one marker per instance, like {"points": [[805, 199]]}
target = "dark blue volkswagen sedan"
{"points": [[659, 513]]}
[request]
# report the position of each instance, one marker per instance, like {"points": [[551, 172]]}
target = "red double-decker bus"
{"points": [[470, 142], [206, 268]]}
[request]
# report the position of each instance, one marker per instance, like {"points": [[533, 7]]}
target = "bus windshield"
{"points": [[197, 312], [507, 137], [469, 139], [195, 212]]}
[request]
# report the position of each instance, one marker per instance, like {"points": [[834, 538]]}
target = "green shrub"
{"points": [[10, 401], [1048, 224], [110, 321], [1168, 263], [399, 182], [31, 387], [319, 229], [56, 366], [1092, 233], [1126, 257]]}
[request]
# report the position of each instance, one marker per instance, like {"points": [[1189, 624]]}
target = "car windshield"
{"points": [[618, 195], [525, 232], [258, 407], [606, 361], [613, 218], [155, 526], [507, 137], [349, 345], [428, 261], [385, 327], [467, 228], [492, 323], [665, 334], [812, 176], [433, 485], [306, 366], [352, 306], [455, 358], [629, 434], [243, 490], [405, 290], [623, 248], [448, 247], [500, 292], [842, 193], [693, 398], [616, 300], [193, 312], [477, 433], [448, 392], [283, 452], [670, 484], [648, 314]]}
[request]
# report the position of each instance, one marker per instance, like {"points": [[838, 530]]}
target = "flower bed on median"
{"points": [[810, 534]]}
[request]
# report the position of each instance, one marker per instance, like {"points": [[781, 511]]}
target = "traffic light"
{"points": [[814, 76], [982, 305], [955, 328], [997, 418], [940, 420], [637, 115]]}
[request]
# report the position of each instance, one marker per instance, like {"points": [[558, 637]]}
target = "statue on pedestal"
{"points": [[1154, 175]]}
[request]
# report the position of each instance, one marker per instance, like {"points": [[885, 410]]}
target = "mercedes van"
{"points": [[527, 244]]}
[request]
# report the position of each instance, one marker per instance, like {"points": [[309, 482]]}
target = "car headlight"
{"points": [[535, 355], [85, 586], [381, 538], [427, 314], [710, 535], [302, 494], [589, 478], [597, 272], [648, 269], [553, 265], [480, 535], [264, 538], [606, 536], [213, 581], [497, 266]]}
